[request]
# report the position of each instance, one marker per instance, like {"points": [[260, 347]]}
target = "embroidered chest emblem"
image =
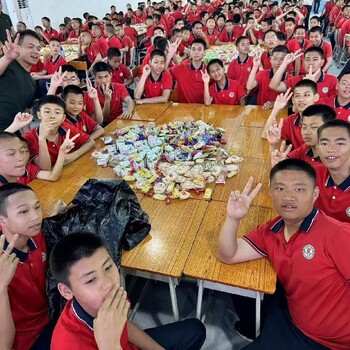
{"points": [[308, 252], [347, 211]]}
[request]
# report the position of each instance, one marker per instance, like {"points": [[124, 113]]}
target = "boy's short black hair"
{"points": [[185, 29], [159, 28], [319, 50], [71, 249], [306, 83], [236, 18], [46, 19], [196, 22], [101, 67], [215, 61], [267, 20], [86, 31], [240, 39], [157, 52], [280, 48], [229, 21], [71, 89], [51, 99], [110, 28], [199, 41], [281, 36], [294, 164], [77, 19], [203, 14], [300, 27], [327, 113], [27, 32], [290, 19], [340, 76], [337, 123], [222, 16], [8, 190], [69, 68], [161, 43], [178, 20], [113, 52], [128, 21], [315, 17], [53, 40], [62, 25], [267, 32], [5, 135], [175, 31], [316, 29]]}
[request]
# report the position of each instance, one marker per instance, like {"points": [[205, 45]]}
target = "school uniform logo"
{"points": [[347, 211], [325, 89], [308, 252], [84, 128], [249, 69], [43, 256], [121, 74], [231, 94]]}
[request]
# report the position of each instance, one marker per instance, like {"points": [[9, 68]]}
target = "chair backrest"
{"points": [[79, 65], [174, 96], [136, 71]]}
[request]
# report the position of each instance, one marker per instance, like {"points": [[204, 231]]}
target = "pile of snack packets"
{"points": [[171, 160]]}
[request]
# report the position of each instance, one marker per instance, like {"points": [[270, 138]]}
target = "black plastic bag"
{"points": [[108, 208]]}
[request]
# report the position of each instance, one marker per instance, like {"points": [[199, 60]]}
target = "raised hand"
{"points": [[291, 57], [46, 128], [257, 60], [146, 70], [8, 262], [205, 77], [282, 99], [11, 49], [268, 105], [68, 143], [274, 132], [91, 91], [57, 78], [21, 120], [173, 47], [239, 203], [312, 76], [107, 92], [59, 208], [126, 115], [111, 318], [281, 154]]}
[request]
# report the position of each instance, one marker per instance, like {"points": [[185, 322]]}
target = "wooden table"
{"points": [[184, 234]]}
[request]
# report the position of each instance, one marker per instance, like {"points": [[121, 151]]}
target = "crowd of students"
{"points": [[308, 243]]}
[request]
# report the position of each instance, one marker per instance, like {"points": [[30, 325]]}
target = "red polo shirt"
{"points": [[229, 95], [266, 60], [92, 51], [38, 67], [101, 42], [83, 122], [189, 82], [326, 84], [313, 268], [119, 93], [305, 153], [343, 112], [53, 33], [326, 47], [113, 41], [120, 74], [32, 137], [73, 35], [131, 32], [30, 173], [291, 130], [265, 94], [212, 37], [333, 14], [240, 71], [345, 29], [155, 88], [227, 37], [75, 330], [333, 199], [27, 293], [192, 17], [52, 66]]}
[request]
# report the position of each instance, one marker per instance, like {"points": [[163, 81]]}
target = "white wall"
{"points": [[57, 10]]}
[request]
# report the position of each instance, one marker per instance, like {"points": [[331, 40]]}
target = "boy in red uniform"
{"points": [[313, 117], [131, 32], [316, 39], [334, 179], [120, 73], [45, 141], [341, 102], [240, 68], [95, 316], [270, 42], [23, 300], [89, 49], [49, 32], [73, 37], [155, 83], [304, 95], [189, 75], [228, 35], [100, 40], [223, 90], [111, 39], [197, 33], [264, 27], [211, 32], [73, 96], [111, 95], [313, 62], [261, 79], [309, 251]]}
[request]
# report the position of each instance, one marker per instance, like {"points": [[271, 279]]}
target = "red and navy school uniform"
{"points": [[314, 271], [101, 42], [266, 60], [333, 199], [263, 79], [291, 130], [51, 66], [192, 17], [38, 67], [113, 41], [212, 37], [82, 122], [149, 34], [74, 35], [131, 32], [305, 153], [240, 70], [303, 45], [327, 49], [53, 33], [155, 88], [31, 172], [120, 74], [226, 37], [343, 112], [32, 138], [75, 330], [119, 93], [92, 51], [326, 84], [27, 293], [229, 95], [189, 82]]}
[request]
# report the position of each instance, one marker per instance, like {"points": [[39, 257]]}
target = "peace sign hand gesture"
{"points": [[91, 91], [11, 48], [239, 203], [68, 143], [8, 262], [281, 154], [205, 77], [282, 99], [257, 60], [312, 76], [57, 78], [274, 132]]}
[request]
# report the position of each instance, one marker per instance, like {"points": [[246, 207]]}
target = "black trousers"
{"points": [[317, 4], [183, 335], [306, 20]]}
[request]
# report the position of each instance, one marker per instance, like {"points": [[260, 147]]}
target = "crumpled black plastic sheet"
{"points": [[108, 208]]}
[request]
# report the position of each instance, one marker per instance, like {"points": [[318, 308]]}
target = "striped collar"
{"points": [[22, 256], [82, 315], [344, 186]]}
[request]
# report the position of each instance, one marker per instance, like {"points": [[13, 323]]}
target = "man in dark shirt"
{"points": [[5, 23], [16, 85]]}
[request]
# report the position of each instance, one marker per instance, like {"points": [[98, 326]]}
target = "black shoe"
{"points": [[245, 333]]}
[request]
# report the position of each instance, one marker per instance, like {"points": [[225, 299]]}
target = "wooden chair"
{"points": [[136, 71], [79, 65], [174, 96]]}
